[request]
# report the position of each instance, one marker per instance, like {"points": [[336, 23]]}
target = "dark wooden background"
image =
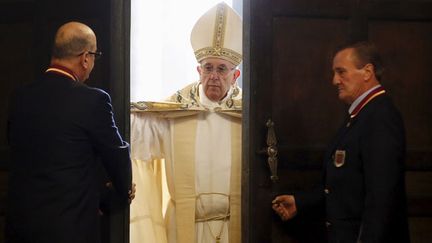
{"points": [[27, 29], [288, 46]]}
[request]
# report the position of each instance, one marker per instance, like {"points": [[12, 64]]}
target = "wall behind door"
{"points": [[27, 29]]}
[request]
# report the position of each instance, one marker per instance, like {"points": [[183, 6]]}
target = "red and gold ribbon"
{"points": [[374, 93]]}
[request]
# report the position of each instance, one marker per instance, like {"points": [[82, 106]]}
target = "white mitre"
{"points": [[218, 33]]}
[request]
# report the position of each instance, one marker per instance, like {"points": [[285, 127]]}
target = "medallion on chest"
{"points": [[339, 158]]}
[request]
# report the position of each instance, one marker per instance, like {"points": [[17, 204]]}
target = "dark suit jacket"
{"points": [[58, 131], [365, 197]]}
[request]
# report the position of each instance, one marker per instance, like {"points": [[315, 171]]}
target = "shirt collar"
{"points": [[61, 70], [360, 98]]}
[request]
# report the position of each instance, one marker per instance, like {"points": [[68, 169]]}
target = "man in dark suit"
{"points": [[59, 130], [363, 190]]}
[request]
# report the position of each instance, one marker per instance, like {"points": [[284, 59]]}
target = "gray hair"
{"points": [[365, 52]]}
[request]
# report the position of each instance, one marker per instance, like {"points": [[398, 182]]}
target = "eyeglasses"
{"points": [[97, 54], [221, 70]]}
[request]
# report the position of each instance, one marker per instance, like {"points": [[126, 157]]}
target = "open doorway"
{"points": [[162, 62], [162, 59]]}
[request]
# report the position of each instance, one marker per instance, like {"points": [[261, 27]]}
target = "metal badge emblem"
{"points": [[339, 158]]}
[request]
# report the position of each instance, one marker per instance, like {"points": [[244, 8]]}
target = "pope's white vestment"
{"points": [[199, 142]]}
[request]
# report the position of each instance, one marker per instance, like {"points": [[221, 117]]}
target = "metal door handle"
{"points": [[272, 150]]}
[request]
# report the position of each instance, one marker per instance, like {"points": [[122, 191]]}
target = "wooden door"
{"points": [[287, 78], [28, 28]]}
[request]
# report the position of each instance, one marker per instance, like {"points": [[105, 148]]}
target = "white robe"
{"points": [[153, 140]]}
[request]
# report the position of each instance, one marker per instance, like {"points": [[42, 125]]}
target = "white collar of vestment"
{"points": [[212, 105]]}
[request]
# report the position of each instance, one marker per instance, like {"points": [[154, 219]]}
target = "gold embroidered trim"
{"points": [[157, 106], [190, 99], [220, 26], [233, 56]]}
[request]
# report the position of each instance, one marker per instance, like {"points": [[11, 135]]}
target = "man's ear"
{"points": [[199, 69], [84, 62], [369, 71], [236, 75]]}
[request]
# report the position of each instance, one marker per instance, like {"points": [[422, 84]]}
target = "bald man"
{"points": [[59, 132]]}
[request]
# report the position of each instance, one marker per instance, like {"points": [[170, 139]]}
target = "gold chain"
{"points": [[207, 219]]}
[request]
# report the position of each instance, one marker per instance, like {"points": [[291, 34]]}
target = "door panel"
{"points": [[301, 54], [288, 48], [28, 28], [408, 72]]}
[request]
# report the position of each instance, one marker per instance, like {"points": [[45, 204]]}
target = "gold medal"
{"points": [[339, 158]]}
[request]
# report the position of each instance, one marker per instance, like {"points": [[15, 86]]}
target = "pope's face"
{"points": [[217, 76]]}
